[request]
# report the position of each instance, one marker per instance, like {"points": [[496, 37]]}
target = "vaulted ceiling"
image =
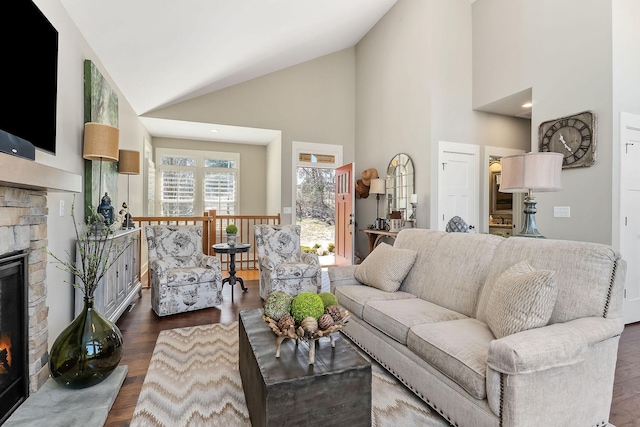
{"points": [[161, 53]]}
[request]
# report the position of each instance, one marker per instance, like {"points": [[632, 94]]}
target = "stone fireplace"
{"points": [[24, 185], [23, 226]]}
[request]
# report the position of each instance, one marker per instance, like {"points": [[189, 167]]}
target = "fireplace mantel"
{"points": [[22, 173]]}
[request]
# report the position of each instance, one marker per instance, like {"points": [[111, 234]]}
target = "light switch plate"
{"points": [[61, 207], [562, 211], [286, 210]]}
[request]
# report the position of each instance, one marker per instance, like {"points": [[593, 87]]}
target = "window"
{"points": [[192, 182]]}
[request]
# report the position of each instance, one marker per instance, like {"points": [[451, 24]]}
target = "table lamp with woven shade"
{"points": [[377, 188], [129, 164], [526, 173], [100, 144]]}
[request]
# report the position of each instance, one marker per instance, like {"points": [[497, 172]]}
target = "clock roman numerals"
{"points": [[573, 136]]}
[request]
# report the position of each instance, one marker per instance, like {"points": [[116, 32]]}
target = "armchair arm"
{"points": [[310, 258], [209, 261], [560, 344], [160, 268], [267, 262]]}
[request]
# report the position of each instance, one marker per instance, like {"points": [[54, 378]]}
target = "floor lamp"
{"points": [[526, 173], [377, 188], [100, 144], [129, 164]]}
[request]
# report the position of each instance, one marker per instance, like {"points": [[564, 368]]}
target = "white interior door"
{"points": [[458, 186], [630, 212]]}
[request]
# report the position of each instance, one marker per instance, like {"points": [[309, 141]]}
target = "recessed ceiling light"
{"points": [[527, 105], [214, 130]]}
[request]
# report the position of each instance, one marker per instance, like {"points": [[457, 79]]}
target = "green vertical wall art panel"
{"points": [[100, 106]]}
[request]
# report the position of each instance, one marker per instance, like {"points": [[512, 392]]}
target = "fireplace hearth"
{"points": [[24, 186], [14, 371]]}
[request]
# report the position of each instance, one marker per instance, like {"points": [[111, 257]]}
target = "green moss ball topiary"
{"points": [[328, 299], [277, 304], [306, 304]]}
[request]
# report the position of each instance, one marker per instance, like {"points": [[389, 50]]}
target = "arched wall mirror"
{"points": [[400, 186]]}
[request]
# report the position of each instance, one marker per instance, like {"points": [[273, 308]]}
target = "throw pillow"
{"points": [[522, 298], [386, 267]]}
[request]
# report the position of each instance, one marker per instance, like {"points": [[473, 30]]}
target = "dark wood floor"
{"points": [[140, 328]]}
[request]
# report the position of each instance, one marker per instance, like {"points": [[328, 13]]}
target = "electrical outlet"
{"points": [[562, 211], [286, 210], [61, 207]]}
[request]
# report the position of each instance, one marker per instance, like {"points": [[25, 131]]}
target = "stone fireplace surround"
{"points": [[24, 185]]}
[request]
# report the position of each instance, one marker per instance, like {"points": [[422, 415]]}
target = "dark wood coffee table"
{"points": [[287, 391]]}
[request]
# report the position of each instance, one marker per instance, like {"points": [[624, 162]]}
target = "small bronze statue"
{"points": [[127, 222]]}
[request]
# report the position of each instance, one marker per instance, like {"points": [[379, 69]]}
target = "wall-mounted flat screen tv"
{"points": [[29, 76]]}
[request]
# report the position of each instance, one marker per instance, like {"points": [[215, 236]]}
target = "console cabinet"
{"points": [[121, 282]]}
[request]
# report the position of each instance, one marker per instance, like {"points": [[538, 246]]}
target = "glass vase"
{"points": [[87, 351]]}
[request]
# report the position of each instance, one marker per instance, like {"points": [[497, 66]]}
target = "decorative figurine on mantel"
{"points": [[106, 210], [126, 222]]}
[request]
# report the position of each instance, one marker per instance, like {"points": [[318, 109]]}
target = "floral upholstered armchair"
{"points": [[282, 264], [182, 277]]}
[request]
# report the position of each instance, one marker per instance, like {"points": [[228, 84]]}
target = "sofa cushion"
{"points": [[522, 298], [424, 242], [395, 317], [182, 242], [385, 267], [354, 297], [583, 273], [458, 269], [457, 348]]}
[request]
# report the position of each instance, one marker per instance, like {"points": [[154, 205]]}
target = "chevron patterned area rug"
{"points": [[193, 380]]}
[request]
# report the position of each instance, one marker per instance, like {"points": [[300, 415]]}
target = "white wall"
{"points": [[312, 101], [274, 177], [562, 50], [413, 89], [626, 85], [393, 110], [72, 51], [253, 169]]}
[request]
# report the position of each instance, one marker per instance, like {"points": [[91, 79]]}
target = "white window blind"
{"points": [[178, 193], [192, 182]]}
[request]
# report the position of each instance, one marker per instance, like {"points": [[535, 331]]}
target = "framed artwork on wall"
{"points": [[100, 106]]}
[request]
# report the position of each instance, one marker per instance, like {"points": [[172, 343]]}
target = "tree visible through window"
{"points": [[196, 182]]}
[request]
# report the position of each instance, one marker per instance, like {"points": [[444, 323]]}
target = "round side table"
{"points": [[223, 248]]}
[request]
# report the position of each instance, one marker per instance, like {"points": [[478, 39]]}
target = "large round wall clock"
{"points": [[574, 137]]}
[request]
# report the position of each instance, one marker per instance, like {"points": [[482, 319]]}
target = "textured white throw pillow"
{"points": [[522, 298], [386, 267]]}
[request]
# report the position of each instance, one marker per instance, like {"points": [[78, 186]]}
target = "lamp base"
{"points": [[529, 228]]}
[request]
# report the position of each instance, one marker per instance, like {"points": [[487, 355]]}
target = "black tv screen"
{"points": [[29, 77]]}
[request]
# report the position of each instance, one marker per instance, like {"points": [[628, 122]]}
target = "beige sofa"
{"points": [[434, 332]]}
